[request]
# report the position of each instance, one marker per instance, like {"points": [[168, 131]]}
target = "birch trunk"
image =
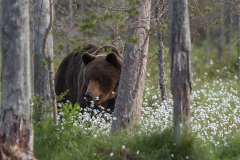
{"points": [[16, 132], [129, 100]]}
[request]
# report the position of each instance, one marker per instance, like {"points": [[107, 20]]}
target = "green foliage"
{"points": [[61, 96], [132, 12], [87, 26], [132, 39], [52, 142], [231, 151], [37, 101], [122, 25], [60, 46], [31, 22], [164, 26], [74, 6], [207, 9], [43, 62]]}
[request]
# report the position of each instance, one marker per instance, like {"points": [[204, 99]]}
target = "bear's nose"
{"points": [[88, 96]]}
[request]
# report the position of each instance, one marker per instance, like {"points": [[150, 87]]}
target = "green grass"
{"points": [[215, 110]]}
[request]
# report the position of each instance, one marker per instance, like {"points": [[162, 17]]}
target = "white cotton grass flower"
{"points": [[210, 106], [215, 108], [137, 152], [59, 105], [92, 104], [123, 146], [111, 154]]}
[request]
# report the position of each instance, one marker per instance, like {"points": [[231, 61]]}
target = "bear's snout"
{"points": [[88, 96]]}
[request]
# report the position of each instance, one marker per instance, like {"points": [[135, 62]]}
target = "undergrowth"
{"points": [[215, 111]]}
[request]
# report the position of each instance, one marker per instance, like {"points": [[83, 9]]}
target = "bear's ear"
{"points": [[114, 60], [86, 58]]}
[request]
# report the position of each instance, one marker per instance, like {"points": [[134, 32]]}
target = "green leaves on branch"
{"points": [[207, 9], [43, 62], [61, 46], [164, 26], [74, 6], [132, 39], [132, 12], [87, 26]]}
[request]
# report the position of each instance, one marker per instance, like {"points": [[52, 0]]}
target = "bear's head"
{"points": [[101, 76]]}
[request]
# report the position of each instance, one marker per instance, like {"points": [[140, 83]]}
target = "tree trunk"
{"points": [[69, 23], [129, 99], [208, 44], [160, 54], [238, 3], [16, 133], [180, 51], [43, 54], [221, 36], [229, 19]]}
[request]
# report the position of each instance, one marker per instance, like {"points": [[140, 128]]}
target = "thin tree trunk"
{"points": [[221, 36], [230, 27], [160, 55], [16, 133], [208, 44], [129, 100], [238, 3], [69, 23], [180, 51], [43, 64]]}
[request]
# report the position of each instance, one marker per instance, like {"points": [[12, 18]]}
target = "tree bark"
{"points": [[43, 64], [208, 44], [131, 85], [16, 133], [229, 18], [180, 51], [221, 36], [69, 24], [160, 55], [238, 4]]}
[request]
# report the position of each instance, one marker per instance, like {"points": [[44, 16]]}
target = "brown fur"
{"points": [[94, 70]]}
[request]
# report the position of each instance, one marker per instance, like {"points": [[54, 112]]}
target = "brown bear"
{"points": [[90, 77]]}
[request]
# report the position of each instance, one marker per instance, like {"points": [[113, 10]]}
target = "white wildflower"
{"points": [[92, 104]]}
